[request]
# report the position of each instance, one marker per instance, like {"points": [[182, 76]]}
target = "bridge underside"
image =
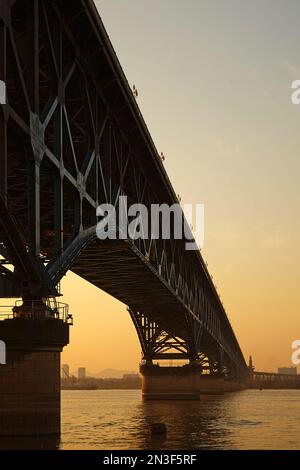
{"points": [[167, 329], [115, 267]]}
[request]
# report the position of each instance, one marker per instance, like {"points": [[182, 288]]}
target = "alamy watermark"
{"points": [[295, 358], [161, 221], [2, 92], [2, 353]]}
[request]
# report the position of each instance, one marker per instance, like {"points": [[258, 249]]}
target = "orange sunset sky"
{"points": [[214, 81]]}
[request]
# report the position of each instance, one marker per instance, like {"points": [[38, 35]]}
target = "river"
{"points": [[118, 419]]}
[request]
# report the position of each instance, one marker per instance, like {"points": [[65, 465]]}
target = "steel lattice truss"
{"points": [[72, 137]]}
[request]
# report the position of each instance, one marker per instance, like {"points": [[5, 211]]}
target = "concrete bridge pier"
{"points": [[178, 383], [30, 379]]}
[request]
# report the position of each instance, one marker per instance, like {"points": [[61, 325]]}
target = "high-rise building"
{"points": [[81, 372], [65, 371], [287, 370]]}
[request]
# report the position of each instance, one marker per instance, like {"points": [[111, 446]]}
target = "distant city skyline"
{"points": [[108, 372], [118, 373]]}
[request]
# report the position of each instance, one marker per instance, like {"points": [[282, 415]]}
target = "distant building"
{"points": [[65, 371], [81, 373], [131, 376], [287, 370]]}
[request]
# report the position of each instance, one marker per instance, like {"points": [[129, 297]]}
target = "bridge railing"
{"points": [[47, 309], [273, 376]]}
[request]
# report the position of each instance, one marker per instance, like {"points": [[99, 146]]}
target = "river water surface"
{"points": [[118, 419]]}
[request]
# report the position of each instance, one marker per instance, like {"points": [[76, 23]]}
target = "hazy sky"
{"points": [[214, 81]]}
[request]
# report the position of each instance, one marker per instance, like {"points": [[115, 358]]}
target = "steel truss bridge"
{"points": [[72, 137]]}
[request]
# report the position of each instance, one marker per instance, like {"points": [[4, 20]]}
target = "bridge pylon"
{"points": [[34, 334]]}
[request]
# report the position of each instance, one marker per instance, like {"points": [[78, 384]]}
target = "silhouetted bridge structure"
{"points": [[72, 137], [274, 381]]}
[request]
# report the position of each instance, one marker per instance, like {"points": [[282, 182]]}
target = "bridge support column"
{"points": [[170, 383], [178, 383], [30, 379]]}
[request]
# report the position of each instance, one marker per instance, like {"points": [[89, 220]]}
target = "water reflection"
{"points": [[190, 424]]}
